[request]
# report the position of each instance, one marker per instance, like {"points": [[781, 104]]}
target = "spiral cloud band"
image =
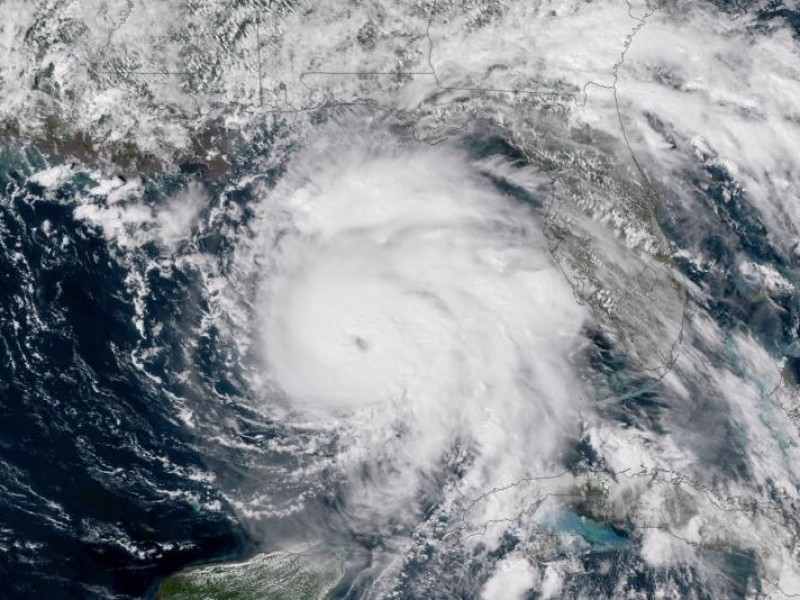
{"points": [[415, 305]]}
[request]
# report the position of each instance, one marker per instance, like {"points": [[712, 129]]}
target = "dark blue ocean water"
{"points": [[90, 449]]}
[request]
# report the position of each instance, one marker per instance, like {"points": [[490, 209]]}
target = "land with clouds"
{"points": [[318, 179]]}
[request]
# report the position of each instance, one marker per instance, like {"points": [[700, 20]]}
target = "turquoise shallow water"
{"points": [[598, 535]]}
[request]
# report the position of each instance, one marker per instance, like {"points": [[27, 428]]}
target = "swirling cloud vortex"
{"points": [[408, 294]]}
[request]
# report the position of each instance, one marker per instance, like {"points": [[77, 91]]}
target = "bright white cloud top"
{"points": [[413, 303]]}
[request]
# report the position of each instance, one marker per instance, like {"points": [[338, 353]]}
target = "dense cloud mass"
{"points": [[414, 302]]}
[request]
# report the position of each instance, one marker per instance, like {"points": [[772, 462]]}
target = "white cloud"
{"points": [[412, 304], [512, 578], [177, 217]]}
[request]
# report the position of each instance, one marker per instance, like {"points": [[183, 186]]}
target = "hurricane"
{"points": [[434, 299], [416, 307]]}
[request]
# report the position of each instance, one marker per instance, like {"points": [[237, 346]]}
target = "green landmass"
{"points": [[272, 576]]}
